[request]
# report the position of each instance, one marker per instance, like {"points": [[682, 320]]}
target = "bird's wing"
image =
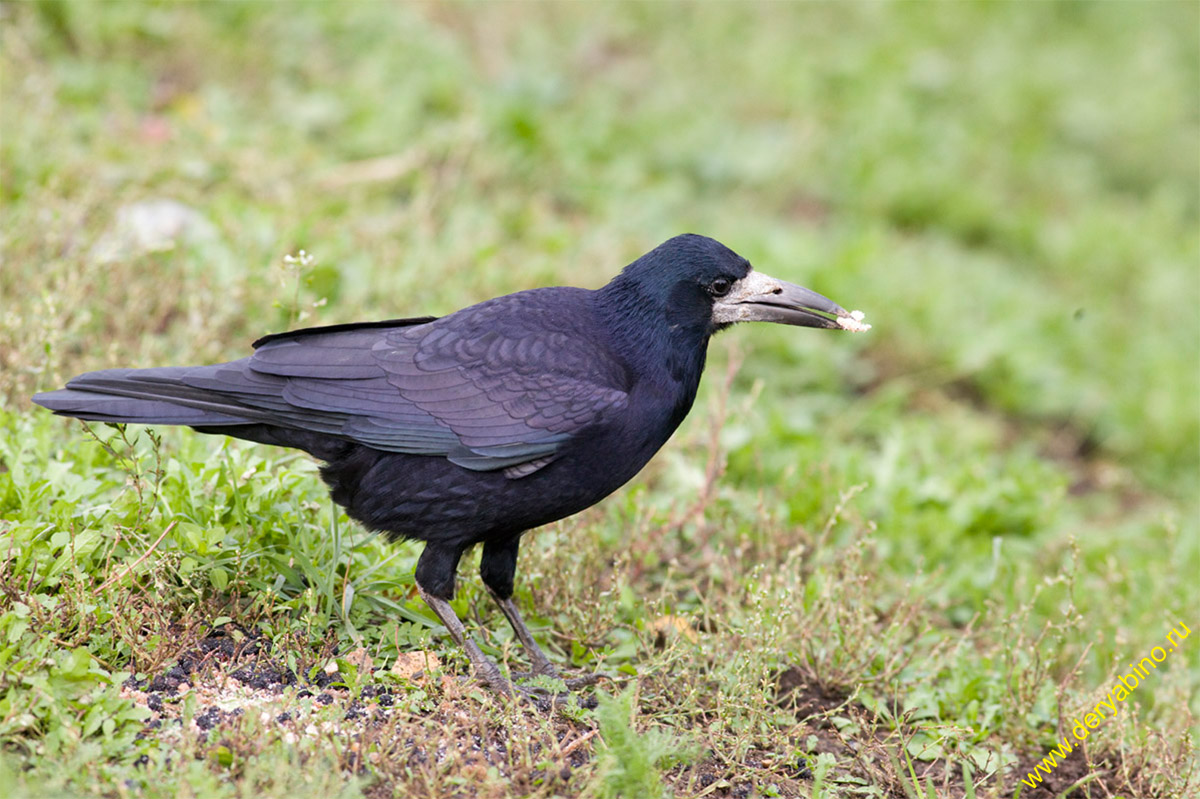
{"points": [[500, 385]]}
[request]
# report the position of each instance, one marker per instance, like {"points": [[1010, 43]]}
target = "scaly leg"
{"points": [[485, 669], [537, 658], [538, 661], [435, 581], [497, 568]]}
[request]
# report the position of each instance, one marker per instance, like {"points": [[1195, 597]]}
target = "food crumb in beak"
{"points": [[854, 322]]}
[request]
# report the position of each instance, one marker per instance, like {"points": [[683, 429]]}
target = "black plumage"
{"points": [[478, 426]]}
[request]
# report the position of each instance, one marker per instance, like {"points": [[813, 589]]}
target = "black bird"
{"points": [[478, 426]]}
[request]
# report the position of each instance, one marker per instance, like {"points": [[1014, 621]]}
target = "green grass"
{"points": [[865, 566]]}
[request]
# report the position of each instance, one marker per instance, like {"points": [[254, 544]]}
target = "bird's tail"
{"points": [[226, 398], [168, 395]]}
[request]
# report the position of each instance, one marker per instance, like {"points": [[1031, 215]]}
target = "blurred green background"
{"points": [[1010, 192]]}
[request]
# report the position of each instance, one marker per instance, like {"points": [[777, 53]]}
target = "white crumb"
{"points": [[854, 322]]}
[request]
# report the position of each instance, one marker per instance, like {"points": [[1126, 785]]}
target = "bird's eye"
{"points": [[720, 287]]}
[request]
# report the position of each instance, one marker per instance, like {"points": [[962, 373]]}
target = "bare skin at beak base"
{"points": [[762, 298]]}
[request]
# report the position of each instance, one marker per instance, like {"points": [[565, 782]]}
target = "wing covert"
{"points": [[500, 385]]}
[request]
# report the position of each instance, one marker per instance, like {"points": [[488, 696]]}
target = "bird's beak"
{"points": [[762, 298]]}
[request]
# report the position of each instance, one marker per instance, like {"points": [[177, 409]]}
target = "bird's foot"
{"points": [[549, 688], [487, 672], [572, 683], [551, 694], [544, 697]]}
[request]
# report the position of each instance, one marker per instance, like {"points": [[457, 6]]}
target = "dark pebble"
{"points": [[208, 718]]}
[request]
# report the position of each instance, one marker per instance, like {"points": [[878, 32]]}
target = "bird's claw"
{"points": [[572, 683], [584, 680], [543, 698]]}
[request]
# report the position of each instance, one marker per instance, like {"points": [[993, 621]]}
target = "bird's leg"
{"points": [[484, 669], [435, 582], [538, 662], [497, 567]]}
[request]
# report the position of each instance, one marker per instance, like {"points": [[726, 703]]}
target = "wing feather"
{"points": [[500, 385], [494, 386]]}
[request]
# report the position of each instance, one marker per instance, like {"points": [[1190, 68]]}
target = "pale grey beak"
{"points": [[762, 298]]}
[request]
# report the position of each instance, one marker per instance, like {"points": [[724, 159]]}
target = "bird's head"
{"points": [[699, 282]]}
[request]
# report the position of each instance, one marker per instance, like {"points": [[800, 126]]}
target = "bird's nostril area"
{"points": [[778, 290]]}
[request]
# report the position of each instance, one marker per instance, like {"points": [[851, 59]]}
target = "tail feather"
{"points": [[95, 407], [146, 396]]}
